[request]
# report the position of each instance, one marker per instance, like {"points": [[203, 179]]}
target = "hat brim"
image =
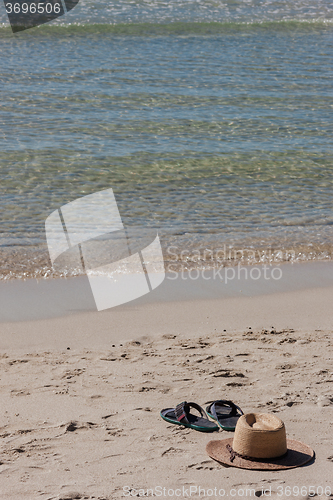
{"points": [[298, 454]]}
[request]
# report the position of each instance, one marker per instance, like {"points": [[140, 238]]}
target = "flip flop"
{"points": [[181, 416], [225, 412]]}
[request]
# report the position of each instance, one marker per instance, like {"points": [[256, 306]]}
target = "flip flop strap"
{"points": [[183, 409], [181, 412], [225, 402]]}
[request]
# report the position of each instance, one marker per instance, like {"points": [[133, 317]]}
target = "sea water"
{"points": [[212, 121]]}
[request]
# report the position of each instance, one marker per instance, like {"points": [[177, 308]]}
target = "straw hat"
{"points": [[260, 443]]}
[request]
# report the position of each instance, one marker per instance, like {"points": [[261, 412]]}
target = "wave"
{"points": [[175, 28]]}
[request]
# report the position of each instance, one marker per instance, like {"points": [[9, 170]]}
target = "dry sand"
{"points": [[84, 422]]}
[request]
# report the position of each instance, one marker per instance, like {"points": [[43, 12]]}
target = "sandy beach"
{"points": [[81, 396], [177, 153]]}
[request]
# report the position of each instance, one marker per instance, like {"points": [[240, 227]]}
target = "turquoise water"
{"points": [[212, 121]]}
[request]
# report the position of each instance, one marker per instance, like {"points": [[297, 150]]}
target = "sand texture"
{"points": [[84, 424]]}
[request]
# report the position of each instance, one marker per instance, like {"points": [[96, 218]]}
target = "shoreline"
{"points": [[32, 299], [215, 135], [195, 308]]}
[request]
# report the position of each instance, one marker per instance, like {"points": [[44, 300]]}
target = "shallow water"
{"points": [[211, 121]]}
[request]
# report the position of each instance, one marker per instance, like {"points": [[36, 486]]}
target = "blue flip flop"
{"points": [[225, 412], [181, 416]]}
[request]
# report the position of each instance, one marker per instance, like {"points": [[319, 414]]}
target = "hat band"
{"points": [[234, 454]]}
